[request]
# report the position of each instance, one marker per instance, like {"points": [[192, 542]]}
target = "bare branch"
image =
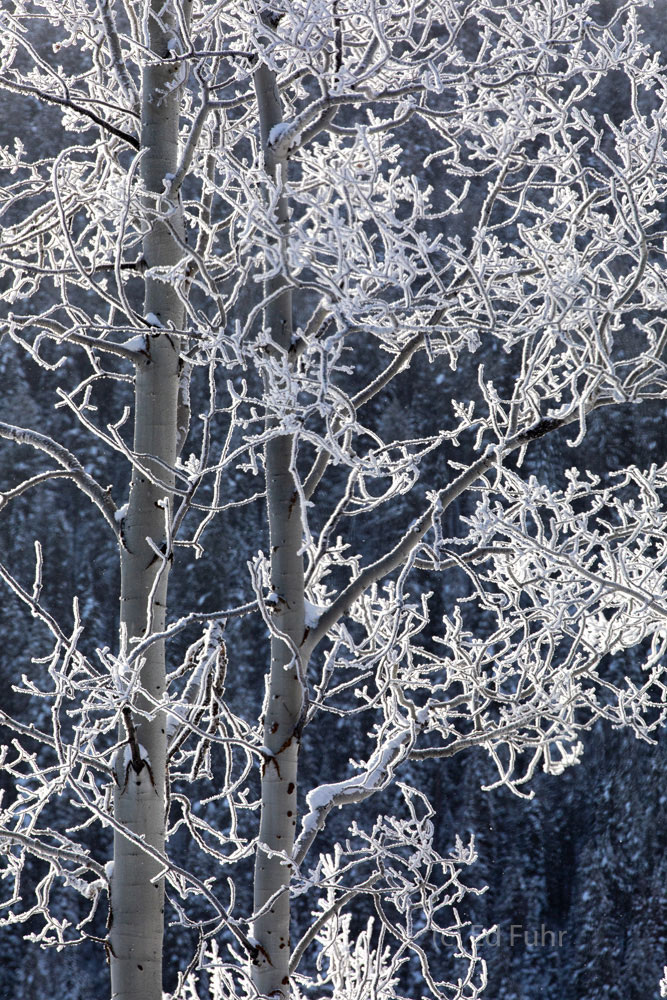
{"points": [[106, 126], [73, 468]]}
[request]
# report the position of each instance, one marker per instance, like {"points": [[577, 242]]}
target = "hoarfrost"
{"points": [[278, 131]]}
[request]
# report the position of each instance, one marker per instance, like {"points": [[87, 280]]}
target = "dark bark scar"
{"points": [[273, 758], [136, 762], [256, 950]]}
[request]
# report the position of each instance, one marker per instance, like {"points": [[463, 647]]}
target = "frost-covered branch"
{"points": [[384, 268], [73, 468]]}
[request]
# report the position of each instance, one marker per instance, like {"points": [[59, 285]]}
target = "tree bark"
{"points": [[137, 894], [285, 699]]}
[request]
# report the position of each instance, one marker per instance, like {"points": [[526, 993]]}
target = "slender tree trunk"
{"points": [[285, 697], [137, 894]]}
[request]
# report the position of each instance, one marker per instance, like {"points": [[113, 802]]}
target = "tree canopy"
{"points": [[260, 236]]}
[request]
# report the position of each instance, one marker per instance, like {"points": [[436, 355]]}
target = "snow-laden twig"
{"points": [[71, 465]]}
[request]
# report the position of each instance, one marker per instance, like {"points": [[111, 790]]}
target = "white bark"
{"points": [[564, 576], [285, 698], [137, 897]]}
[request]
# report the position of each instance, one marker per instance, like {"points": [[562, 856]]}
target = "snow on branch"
{"points": [[411, 251], [378, 772], [415, 891], [73, 469]]}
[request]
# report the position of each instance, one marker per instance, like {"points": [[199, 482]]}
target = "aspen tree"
{"points": [[237, 199]]}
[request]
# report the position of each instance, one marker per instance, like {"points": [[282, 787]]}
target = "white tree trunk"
{"points": [[137, 896], [285, 697]]}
